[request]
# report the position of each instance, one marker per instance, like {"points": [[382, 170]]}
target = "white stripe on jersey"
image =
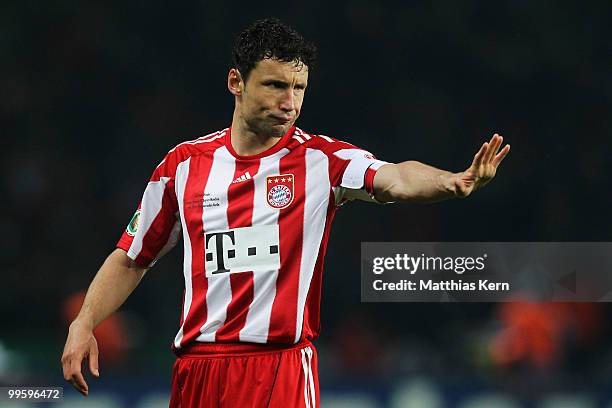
{"points": [[219, 292], [150, 207], [299, 139], [182, 174], [264, 282], [315, 215]]}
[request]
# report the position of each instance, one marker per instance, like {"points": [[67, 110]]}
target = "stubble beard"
{"points": [[264, 128]]}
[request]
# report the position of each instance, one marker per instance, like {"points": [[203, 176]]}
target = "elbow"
{"points": [[120, 258]]}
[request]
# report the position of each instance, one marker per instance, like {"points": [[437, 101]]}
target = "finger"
{"points": [[500, 140], [77, 376], [76, 386], [94, 368], [480, 154], [501, 155], [493, 146], [78, 381], [66, 369]]}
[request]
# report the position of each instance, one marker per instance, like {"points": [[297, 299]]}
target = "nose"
{"points": [[287, 103]]}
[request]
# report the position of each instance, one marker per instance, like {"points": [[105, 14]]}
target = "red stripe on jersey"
{"points": [[369, 180], [312, 315], [240, 195], [199, 170], [291, 227], [239, 214], [160, 228], [242, 297]]}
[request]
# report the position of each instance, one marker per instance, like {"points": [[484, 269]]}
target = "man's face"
{"points": [[272, 96]]}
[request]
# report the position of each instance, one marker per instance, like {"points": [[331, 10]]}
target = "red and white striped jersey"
{"points": [[254, 229]]}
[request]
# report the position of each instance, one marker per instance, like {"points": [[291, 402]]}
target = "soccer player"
{"points": [[254, 204]]}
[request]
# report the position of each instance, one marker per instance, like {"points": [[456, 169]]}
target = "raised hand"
{"points": [[483, 168]]}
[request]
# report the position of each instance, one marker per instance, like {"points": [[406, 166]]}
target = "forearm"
{"points": [[112, 285], [413, 181]]}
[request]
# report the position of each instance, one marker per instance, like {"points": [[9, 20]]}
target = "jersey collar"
{"points": [[279, 145]]}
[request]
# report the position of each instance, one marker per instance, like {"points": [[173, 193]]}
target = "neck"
{"points": [[246, 141]]}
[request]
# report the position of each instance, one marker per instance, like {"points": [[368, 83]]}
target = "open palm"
{"points": [[483, 168]]}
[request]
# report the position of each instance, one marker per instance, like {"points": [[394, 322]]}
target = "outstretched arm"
{"points": [[417, 182], [114, 282]]}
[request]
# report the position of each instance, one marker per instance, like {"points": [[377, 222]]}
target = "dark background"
{"points": [[95, 93]]}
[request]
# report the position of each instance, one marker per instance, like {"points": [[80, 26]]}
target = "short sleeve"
{"points": [[353, 171], [155, 226]]}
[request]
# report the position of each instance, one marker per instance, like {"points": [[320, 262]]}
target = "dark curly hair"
{"points": [[270, 38]]}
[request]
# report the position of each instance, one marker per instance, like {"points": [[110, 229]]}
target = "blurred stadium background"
{"points": [[95, 93]]}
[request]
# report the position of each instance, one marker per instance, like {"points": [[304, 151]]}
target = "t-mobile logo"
{"points": [[242, 249]]}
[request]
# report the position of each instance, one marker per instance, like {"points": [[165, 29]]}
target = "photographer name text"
{"points": [[431, 285]]}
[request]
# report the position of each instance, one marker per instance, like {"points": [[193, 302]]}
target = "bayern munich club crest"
{"points": [[279, 190]]}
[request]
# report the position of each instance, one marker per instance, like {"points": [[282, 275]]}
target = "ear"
{"points": [[235, 84]]}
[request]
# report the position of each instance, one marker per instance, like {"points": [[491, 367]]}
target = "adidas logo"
{"points": [[246, 176]]}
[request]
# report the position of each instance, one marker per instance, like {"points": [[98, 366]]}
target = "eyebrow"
{"points": [[282, 83], [275, 82]]}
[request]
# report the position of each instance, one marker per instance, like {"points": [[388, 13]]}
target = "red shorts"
{"points": [[236, 375]]}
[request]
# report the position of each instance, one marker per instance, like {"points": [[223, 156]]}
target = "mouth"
{"points": [[281, 119]]}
